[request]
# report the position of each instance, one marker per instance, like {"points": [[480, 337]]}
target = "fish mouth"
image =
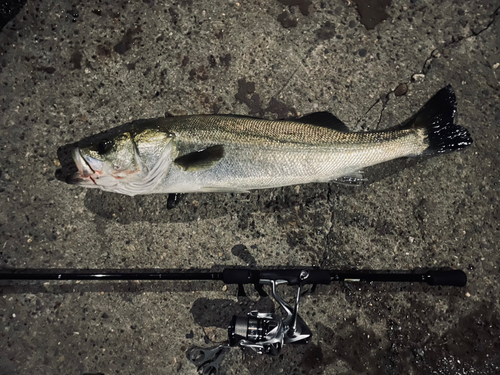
{"points": [[85, 174]]}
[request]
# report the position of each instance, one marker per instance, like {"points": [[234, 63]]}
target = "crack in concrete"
{"points": [[288, 81], [493, 19], [329, 199], [385, 100], [435, 52], [368, 111], [300, 65], [427, 65]]}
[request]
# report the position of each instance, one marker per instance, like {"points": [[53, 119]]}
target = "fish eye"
{"points": [[104, 146]]}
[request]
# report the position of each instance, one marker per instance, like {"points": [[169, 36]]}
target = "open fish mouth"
{"points": [[90, 172], [85, 175]]}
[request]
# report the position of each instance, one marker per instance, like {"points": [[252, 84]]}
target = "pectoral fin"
{"points": [[202, 159]]}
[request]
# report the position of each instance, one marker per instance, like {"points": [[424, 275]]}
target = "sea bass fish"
{"points": [[226, 153]]}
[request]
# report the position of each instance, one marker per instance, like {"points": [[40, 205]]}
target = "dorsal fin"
{"points": [[324, 119]]}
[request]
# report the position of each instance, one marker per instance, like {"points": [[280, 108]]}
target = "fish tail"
{"points": [[436, 117]]}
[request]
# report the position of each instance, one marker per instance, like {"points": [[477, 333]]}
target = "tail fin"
{"points": [[437, 117]]}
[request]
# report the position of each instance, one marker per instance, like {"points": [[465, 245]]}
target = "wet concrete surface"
{"points": [[72, 69]]}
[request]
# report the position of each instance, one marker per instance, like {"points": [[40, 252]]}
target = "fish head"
{"points": [[107, 162], [126, 163]]}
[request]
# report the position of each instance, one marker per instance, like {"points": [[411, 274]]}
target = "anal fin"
{"points": [[351, 179]]}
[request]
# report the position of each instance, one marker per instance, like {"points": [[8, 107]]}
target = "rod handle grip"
{"points": [[451, 278], [237, 276]]}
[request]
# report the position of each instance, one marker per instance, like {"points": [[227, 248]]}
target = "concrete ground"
{"points": [[72, 69]]}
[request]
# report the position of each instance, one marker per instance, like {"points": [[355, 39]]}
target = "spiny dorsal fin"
{"points": [[324, 119], [202, 159]]}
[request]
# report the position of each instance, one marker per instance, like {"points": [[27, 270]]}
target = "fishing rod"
{"points": [[263, 332], [242, 275]]}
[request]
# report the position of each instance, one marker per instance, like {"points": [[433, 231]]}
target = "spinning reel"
{"points": [[266, 333]]}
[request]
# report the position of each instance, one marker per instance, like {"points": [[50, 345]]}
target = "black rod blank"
{"points": [[241, 275], [103, 275], [431, 277]]}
